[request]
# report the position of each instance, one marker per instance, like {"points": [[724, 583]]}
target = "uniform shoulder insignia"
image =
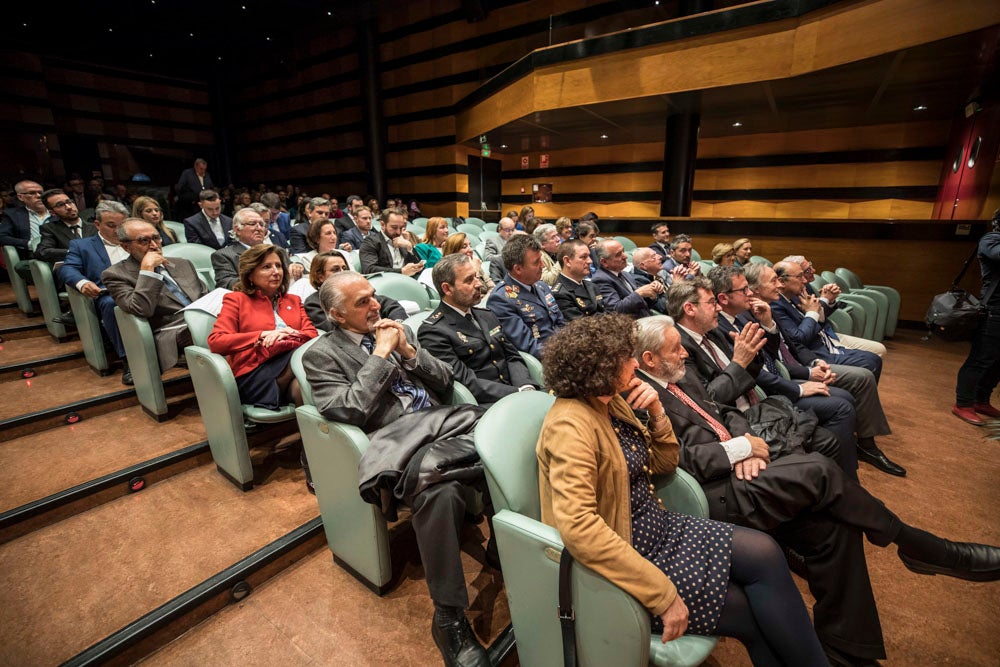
{"points": [[435, 316], [511, 291], [557, 287]]}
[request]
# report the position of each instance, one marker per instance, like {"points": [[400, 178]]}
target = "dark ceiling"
{"points": [[930, 82]]}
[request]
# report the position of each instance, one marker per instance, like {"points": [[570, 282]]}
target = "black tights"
{"points": [[763, 609]]}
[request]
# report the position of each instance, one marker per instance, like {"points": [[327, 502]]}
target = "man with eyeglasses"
{"points": [[249, 229], [618, 287], [147, 284], [19, 225], [63, 226]]}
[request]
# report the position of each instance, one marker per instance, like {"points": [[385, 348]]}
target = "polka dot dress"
{"points": [[694, 552]]}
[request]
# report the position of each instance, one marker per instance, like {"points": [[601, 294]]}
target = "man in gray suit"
{"points": [[148, 285], [371, 372], [249, 229], [494, 245]]}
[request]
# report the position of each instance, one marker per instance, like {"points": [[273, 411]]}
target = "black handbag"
{"points": [[955, 315]]}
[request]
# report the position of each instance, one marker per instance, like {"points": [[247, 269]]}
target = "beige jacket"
{"points": [[584, 488]]}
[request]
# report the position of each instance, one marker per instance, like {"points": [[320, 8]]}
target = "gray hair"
{"points": [[640, 255], [794, 259], [332, 293], [649, 334], [122, 230], [516, 249], [503, 220], [541, 231], [722, 277], [679, 239], [316, 202], [110, 207], [241, 214], [754, 274], [444, 271], [685, 291], [602, 249]]}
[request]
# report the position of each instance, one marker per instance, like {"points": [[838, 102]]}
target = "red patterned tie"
{"points": [[717, 426]]}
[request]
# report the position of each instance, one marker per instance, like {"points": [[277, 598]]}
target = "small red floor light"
{"points": [[28, 373], [136, 484], [73, 418]]}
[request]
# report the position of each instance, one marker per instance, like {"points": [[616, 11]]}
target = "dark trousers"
{"points": [[438, 516], [828, 444], [859, 358], [836, 413], [106, 311], [861, 383], [807, 503], [979, 375]]}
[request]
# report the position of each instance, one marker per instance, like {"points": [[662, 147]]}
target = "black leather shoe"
{"points": [[962, 560], [65, 319], [877, 458], [841, 659], [458, 644], [127, 377]]}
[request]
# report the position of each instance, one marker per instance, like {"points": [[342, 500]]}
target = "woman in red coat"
{"points": [[259, 327]]}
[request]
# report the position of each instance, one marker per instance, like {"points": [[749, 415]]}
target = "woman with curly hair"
{"points": [[460, 243], [595, 465], [258, 328]]}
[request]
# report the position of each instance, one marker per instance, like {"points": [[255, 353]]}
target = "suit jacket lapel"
{"points": [[344, 342]]}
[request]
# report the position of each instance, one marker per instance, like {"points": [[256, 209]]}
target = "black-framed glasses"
{"points": [[64, 203], [146, 240], [711, 302], [744, 290]]}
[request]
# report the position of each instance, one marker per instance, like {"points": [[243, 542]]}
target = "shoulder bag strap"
{"points": [[567, 617], [965, 267]]}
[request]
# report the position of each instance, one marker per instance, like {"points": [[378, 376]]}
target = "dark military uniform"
{"points": [[576, 300], [528, 318], [480, 354]]}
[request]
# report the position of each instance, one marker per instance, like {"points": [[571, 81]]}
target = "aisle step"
{"points": [[315, 613], [71, 584], [36, 353], [45, 400], [40, 464]]}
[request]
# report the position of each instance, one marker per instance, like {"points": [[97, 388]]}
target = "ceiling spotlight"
{"points": [[110, 30], [503, 145], [192, 34], [268, 39], [329, 13], [657, 3], [604, 136], [150, 55], [920, 107], [737, 124]]}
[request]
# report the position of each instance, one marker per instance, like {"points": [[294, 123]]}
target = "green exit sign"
{"points": [[486, 150]]}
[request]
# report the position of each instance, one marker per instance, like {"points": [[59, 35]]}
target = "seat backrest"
{"points": [[706, 266], [486, 235], [832, 277], [757, 259], [200, 324], [505, 438], [420, 221], [490, 227], [300, 372], [178, 229], [627, 243], [414, 321], [475, 221], [852, 278], [196, 253], [818, 282], [401, 288], [468, 228], [695, 255]]}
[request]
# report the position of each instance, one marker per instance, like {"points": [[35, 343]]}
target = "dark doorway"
{"points": [[484, 188]]}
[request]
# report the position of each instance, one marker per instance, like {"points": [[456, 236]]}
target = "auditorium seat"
{"points": [[178, 229], [219, 403], [356, 531], [401, 288], [48, 298], [20, 285], [534, 368], [140, 348], [612, 628], [876, 305], [88, 326], [695, 255], [628, 244], [478, 222], [757, 259], [197, 254], [490, 227], [892, 295]]}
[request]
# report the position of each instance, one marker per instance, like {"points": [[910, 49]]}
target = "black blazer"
{"points": [[342, 224], [723, 385], [56, 236], [298, 242], [376, 256], [482, 357], [618, 297], [15, 229], [577, 300], [197, 230]]}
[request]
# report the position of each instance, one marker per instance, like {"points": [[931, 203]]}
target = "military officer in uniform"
{"points": [[575, 294], [471, 339], [523, 302]]}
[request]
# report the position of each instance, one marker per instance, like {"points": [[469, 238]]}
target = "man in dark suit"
{"points": [[471, 339], [249, 229], [349, 219], [147, 285], [315, 209], [87, 259], [388, 251], [679, 262], [802, 499], [661, 240], [277, 220], [575, 294], [209, 226], [617, 286], [20, 225], [191, 183], [523, 302], [371, 372], [798, 313], [362, 229], [803, 363], [63, 226], [646, 268]]}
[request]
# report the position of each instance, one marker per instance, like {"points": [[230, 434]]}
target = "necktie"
{"points": [[401, 386], [786, 354], [174, 288], [751, 395], [714, 423], [76, 230], [472, 320]]}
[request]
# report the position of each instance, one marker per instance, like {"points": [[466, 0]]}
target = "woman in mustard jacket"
{"points": [[596, 462]]}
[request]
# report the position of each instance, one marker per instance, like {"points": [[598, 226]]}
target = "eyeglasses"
{"points": [[254, 224], [789, 275], [711, 302], [31, 193], [146, 240], [744, 290], [63, 203]]}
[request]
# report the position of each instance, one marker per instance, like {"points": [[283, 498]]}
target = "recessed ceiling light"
{"points": [[329, 13], [503, 145], [111, 30], [150, 55], [268, 39], [920, 107], [192, 34], [737, 124], [604, 136]]}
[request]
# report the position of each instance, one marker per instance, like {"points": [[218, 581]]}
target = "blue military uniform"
{"points": [[528, 316]]}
